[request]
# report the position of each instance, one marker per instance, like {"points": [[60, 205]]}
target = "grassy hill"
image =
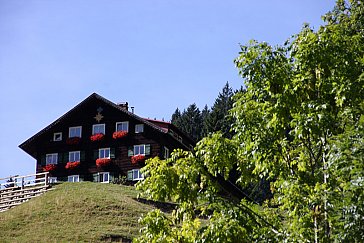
{"points": [[76, 212]]}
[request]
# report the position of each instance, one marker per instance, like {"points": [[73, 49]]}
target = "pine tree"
{"points": [[191, 122], [176, 118], [218, 119], [199, 124], [205, 113]]}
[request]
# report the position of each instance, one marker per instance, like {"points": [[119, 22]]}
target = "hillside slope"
{"points": [[76, 212]]}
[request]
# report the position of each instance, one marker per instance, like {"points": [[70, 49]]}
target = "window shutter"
{"points": [[82, 156], [162, 152], [43, 160], [130, 151], [111, 177], [130, 175], [112, 153], [66, 157], [95, 177], [96, 154], [147, 149]]}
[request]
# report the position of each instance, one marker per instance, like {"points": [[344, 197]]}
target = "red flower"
{"points": [[50, 167], [137, 158], [73, 140], [97, 137], [119, 134], [72, 165], [102, 162]]}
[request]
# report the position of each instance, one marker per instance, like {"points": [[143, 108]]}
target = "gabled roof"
{"points": [[93, 96]]}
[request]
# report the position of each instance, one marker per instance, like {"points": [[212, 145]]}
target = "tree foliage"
{"points": [[199, 124], [189, 121], [300, 124], [218, 119]]}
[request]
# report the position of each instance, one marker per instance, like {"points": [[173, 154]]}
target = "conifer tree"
{"points": [[191, 122], [176, 118], [204, 118], [218, 119]]}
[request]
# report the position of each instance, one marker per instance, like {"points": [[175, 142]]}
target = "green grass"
{"points": [[75, 212]]}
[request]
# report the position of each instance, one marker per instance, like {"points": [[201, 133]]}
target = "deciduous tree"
{"points": [[300, 124]]}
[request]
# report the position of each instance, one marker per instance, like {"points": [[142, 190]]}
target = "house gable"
{"points": [[87, 108], [69, 138]]}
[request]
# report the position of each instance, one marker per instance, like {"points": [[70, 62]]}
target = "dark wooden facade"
{"points": [[159, 138]]}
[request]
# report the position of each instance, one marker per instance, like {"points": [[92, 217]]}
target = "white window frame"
{"points": [[102, 150], [103, 174], [52, 159], [97, 125], [166, 152], [138, 147], [73, 154], [57, 134], [52, 180], [139, 128], [132, 178], [75, 178], [122, 124], [77, 127]]}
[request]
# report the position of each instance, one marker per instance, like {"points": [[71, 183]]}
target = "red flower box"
{"points": [[72, 165], [137, 158], [50, 167], [103, 162], [119, 134], [73, 140], [97, 137]]}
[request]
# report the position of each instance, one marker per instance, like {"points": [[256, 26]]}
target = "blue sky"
{"points": [[157, 55]]}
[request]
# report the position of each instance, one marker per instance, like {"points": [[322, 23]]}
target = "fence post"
{"points": [[22, 183], [46, 179]]}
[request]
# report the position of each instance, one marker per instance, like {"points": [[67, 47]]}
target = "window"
{"points": [[135, 175], [166, 153], [143, 149], [75, 132], [139, 128], [98, 128], [57, 136], [104, 153], [73, 178], [104, 177], [52, 180], [74, 156], [51, 159], [139, 149], [122, 126]]}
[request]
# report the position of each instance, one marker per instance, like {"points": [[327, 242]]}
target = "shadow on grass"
{"points": [[163, 206], [115, 238]]}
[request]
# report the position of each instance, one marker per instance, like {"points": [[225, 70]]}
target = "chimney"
{"points": [[123, 105]]}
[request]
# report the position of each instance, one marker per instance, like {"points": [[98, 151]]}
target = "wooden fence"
{"points": [[18, 189]]}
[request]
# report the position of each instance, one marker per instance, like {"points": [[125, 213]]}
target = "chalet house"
{"points": [[99, 140]]}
